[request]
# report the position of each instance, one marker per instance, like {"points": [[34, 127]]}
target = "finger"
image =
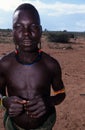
{"points": [[40, 114], [33, 108], [14, 112], [11, 113], [38, 111], [35, 101], [37, 115], [15, 109], [20, 102], [32, 102]]}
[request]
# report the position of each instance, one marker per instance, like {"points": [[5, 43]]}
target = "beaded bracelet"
{"points": [[59, 92], [1, 102]]}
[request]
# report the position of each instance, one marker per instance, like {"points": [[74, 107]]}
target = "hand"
{"points": [[14, 105], [35, 107]]}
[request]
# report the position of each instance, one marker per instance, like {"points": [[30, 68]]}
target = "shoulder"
{"points": [[50, 61], [6, 60]]}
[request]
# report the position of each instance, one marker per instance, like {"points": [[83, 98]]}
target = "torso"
{"points": [[28, 81]]}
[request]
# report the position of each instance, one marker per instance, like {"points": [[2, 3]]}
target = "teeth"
{"points": [[27, 44]]}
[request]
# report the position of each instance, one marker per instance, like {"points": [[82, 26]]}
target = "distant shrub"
{"points": [[6, 36], [58, 37]]}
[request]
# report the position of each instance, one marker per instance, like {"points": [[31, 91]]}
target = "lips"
{"points": [[27, 42]]}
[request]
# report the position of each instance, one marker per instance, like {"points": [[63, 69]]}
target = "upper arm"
{"points": [[2, 80], [57, 83]]}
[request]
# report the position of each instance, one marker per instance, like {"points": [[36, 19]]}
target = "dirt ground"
{"points": [[71, 112]]}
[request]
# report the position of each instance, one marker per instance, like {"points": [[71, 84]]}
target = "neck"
{"points": [[28, 57]]}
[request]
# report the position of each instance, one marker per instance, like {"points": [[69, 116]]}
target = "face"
{"points": [[26, 30]]}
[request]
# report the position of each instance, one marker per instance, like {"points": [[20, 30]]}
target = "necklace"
{"points": [[38, 58]]}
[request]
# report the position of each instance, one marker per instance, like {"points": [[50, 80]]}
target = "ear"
{"points": [[40, 30]]}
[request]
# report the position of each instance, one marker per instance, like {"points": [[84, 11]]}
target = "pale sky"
{"points": [[55, 15]]}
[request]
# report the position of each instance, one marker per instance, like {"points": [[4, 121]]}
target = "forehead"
{"points": [[26, 15]]}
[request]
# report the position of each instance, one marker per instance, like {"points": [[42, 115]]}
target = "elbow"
{"points": [[63, 96], [59, 98]]}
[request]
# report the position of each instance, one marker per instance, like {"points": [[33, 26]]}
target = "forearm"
{"points": [[54, 100], [57, 99]]}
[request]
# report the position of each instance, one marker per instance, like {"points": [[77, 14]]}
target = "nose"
{"points": [[26, 32], [27, 35]]}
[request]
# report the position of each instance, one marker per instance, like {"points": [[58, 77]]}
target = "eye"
{"points": [[35, 27], [18, 27]]}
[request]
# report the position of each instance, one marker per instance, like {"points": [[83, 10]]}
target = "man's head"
{"points": [[26, 27]]}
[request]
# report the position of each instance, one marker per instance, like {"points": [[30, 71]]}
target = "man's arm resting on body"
{"points": [[58, 87], [2, 88], [57, 97]]}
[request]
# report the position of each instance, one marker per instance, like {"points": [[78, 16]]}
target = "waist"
{"points": [[26, 122]]}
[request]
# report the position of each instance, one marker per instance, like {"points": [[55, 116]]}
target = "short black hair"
{"points": [[29, 7]]}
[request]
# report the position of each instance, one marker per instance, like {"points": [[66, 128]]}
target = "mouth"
{"points": [[27, 43]]}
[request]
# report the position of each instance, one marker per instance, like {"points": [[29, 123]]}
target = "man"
{"points": [[26, 77]]}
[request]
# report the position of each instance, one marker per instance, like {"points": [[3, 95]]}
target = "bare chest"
{"points": [[28, 80]]}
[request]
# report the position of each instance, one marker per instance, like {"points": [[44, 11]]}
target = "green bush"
{"points": [[58, 37], [6, 36]]}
